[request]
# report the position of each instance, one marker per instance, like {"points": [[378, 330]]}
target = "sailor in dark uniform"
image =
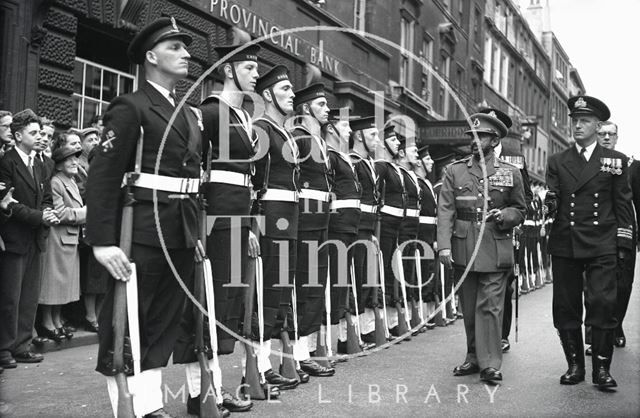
{"points": [[229, 139], [311, 112], [408, 159], [343, 224], [460, 215], [427, 231], [391, 189], [363, 143], [276, 181], [591, 234], [161, 48]]}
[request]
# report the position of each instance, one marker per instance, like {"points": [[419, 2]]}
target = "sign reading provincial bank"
{"points": [[258, 26]]}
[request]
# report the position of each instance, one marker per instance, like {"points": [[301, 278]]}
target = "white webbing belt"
{"points": [[164, 183]]}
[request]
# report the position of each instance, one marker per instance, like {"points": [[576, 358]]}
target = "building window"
{"points": [[95, 86], [445, 64], [359, 8], [488, 51], [504, 74], [477, 26], [406, 46], [460, 11], [426, 56], [495, 67]]}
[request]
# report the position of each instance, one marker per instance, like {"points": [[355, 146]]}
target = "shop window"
{"points": [[95, 86]]}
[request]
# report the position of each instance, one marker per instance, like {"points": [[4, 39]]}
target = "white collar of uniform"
{"points": [[25, 157], [165, 92], [498, 149], [588, 149]]}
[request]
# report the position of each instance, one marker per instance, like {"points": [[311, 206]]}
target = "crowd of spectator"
{"points": [[50, 284]]}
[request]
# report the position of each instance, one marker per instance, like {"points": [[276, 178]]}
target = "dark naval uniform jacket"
{"points": [[233, 156], [145, 108], [428, 206], [368, 178], [460, 212], [345, 186], [593, 199]]}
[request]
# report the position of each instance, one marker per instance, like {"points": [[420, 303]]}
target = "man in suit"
{"points": [[460, 217], [608, 138], [591, 234], [160, 48], [20, 262]]}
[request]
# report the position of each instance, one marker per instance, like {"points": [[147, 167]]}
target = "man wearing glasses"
{"points": [[608, 138]]}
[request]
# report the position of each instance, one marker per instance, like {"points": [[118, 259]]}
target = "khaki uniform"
{"points": [[460, 212]]}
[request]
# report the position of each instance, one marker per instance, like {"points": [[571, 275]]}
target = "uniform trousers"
{"points": [[228, 266], [340, 275], [600, 292], [362, 262], [626, 269], [482, 310], [312, 259], [390, 227], [161, 301]]}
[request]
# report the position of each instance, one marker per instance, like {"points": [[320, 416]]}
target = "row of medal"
{"points": [[611, 165]]}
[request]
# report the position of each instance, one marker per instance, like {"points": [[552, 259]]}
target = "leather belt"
{"points": [[393, 211], [230, 177], [469, 216], [529, 222], [345, 204], [428, 220], [364, 208], [163, 183], [280, 195], [414, 213], [314, 194]]}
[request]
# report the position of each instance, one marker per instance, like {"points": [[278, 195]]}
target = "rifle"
{"points": [[323, 350], [516, 272], [416, 306], [120, 312], [403, 320], [288, 367], [381, 326], [419, 274], [353, 335], [254, 382], [204, 294]]}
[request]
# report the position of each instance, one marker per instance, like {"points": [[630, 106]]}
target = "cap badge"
{"points": [[580, 103], [173, 24], [492, 114], [476, 122]]}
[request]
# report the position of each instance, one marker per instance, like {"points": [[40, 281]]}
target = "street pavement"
{"points": [[409, 379]]}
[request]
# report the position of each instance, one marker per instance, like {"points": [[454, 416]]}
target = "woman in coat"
{"points": [[61, 278]]}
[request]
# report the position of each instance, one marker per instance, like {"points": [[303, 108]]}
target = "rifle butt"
{"points": [[353, 340], [253, 383], [288, 366], [381, 333], [208, 404], [321, 351], [125, 400], [403, 327], [415, 315]]}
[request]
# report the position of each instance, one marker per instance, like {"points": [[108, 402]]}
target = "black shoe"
{"points": [[430, 325], [52, 334], [573, 375], [39, 341], [466, 369], [369, 338], [235, 404], [28, 357], [304, 377], [490, 374], [8, 363], [160, 413], [342, 347], [193, 407], [505, 345], [91, 326], [66, 331], [280, 381], [588, 351], [603, 378], [68, 327], [314, 369], [621, 342]]}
